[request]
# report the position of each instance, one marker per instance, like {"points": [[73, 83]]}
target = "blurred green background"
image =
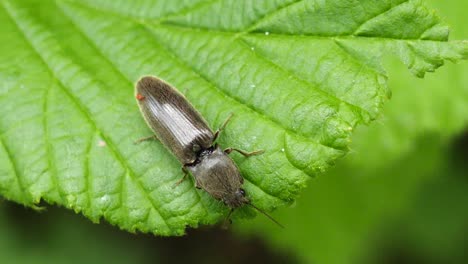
{"points": [[400, 196]]}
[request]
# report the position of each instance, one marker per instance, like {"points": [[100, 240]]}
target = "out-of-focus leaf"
{"points": [[434, 228]]}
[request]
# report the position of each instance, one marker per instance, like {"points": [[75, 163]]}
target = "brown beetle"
{"points": [[186, 134]]}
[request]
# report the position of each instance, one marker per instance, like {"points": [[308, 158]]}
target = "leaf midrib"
{"points": [[147, 27], [167, 51], [239, 36], [250, 30]]}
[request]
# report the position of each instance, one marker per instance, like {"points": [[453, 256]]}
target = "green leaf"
{"points": [[299, 76], [340, 213]]}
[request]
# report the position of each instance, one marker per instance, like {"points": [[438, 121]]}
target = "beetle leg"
{"points": [[245, 153], [145, 139], [185, 171], [216, 134], [197, 185]]}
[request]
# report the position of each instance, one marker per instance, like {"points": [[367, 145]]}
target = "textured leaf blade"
{"points": [[70, 120], [392, 159]]}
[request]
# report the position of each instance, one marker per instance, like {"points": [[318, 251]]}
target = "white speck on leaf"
{"points": [[282, 150], [104, 200], [252, 86], [102, 143], [252, 48], [267, 33]]}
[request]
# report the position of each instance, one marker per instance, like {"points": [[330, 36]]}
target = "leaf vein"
{"points": [[269, 15], [48, 148], [390, 8], [189, 9], [16, 171], [241, 33], [308, 83], [87, 172], [82, 109]]}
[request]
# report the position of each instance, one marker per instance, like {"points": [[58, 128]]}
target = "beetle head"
{"points": [[236, 199]]}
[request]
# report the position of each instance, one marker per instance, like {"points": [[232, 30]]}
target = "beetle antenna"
{"points": [[265, 214], [225, 223]]}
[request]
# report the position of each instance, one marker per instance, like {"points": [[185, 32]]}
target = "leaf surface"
{"points": [[298, 75]]}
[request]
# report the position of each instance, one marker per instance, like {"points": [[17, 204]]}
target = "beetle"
{"points": [[187, 135]]}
